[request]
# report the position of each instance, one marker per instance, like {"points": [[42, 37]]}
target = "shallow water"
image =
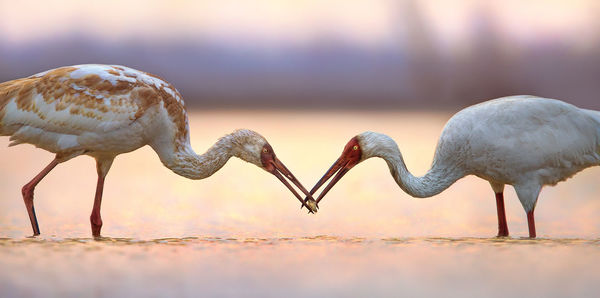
{"points": [[240, 232], [321, 266]]}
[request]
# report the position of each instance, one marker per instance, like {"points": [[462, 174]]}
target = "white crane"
{"points": [[105, 110], [523, 141]]}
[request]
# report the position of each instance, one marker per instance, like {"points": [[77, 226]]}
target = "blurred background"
{"points": [[308, 75], [335, 54], [289, 69]]}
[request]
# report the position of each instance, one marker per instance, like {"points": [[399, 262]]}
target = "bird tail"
{"points": [[594, 114], [8, 90]]}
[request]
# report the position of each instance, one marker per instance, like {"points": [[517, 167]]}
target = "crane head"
{"points": [[252, 147], [361, 147], [273, 165]]}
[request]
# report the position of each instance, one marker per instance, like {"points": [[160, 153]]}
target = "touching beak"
{"points": [[341, 167], [280, 171]]}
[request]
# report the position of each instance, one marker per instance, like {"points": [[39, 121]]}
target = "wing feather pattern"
{"points": [[52, 110]]}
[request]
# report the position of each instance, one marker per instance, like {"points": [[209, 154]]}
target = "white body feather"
{"points": [[523, 139]]}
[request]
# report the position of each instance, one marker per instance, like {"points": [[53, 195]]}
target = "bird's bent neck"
{"points": [[185, 162], [439, 177]]}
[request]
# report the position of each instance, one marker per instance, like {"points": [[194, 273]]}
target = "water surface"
{"points": [[319, 266]]}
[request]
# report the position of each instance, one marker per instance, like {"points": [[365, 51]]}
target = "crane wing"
{"points": [[52, 109], [521, 135]]}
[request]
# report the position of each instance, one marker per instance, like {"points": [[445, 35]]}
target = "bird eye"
{"points": [[265, 150], [355, 147]]}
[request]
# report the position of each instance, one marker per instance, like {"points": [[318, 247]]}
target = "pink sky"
{"points": [[364, 22]]}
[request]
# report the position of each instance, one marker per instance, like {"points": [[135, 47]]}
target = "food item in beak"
{"points": [[312, 204]]}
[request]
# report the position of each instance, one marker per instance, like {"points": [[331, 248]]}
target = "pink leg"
{"points": [[95, 218], [502, 226], [27, 192], [102, 167], [531, 223]]}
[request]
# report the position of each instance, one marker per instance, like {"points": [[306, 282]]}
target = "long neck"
{"points": [[437, 179], [185, 162]]}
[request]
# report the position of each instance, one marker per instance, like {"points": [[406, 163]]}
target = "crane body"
{"points": [[106, 110], [524, 141]]}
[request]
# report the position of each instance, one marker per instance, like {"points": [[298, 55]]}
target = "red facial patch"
{"points": [[352, 152], [267, 157]]}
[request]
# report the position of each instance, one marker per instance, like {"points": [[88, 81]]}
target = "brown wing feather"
{"points": [[58, 102]]}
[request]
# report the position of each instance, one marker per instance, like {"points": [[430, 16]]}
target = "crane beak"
{"points": [[280, 171], [341, 167], [350, 157]]}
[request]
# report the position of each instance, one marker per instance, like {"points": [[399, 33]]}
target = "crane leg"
{"points": [[27, 192], [102, 167], [95, 219], [502, 226], [528, 195], [531, 224]]}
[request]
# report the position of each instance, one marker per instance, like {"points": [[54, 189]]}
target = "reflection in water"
{"points": [[319, 266], [261, 243], [320, 239]]}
